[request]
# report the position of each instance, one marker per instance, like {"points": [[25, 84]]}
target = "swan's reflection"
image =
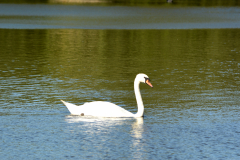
{"points": [[137, 137], [137, 128], [124, 133], [110, 121]]}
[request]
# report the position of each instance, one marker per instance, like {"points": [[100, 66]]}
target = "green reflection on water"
{"points": [[188, 67], [128, 50]]}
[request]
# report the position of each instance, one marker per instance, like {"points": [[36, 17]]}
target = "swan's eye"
{"points": [[147, 79]]}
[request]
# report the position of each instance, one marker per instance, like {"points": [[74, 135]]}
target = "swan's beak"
{"points": [[149, 83]]}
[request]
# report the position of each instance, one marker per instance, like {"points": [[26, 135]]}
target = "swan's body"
{"points": [[108, 109]]}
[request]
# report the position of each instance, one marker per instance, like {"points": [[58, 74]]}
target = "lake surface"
{"points": [[42, 16], [191, 113]]}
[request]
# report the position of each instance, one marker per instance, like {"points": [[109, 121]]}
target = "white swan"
{"points": [[107, 109]]}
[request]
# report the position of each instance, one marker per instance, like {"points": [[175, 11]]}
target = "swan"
{"points": [[108, 109]]}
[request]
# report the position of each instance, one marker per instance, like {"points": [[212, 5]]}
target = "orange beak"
{"points": [[149, 83]]}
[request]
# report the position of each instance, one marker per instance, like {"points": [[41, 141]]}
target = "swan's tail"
{"points": [[73, 109]]}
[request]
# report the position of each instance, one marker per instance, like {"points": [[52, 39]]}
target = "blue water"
{"points": [[51, 135]]}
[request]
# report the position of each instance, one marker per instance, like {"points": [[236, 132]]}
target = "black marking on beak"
{"points": [[147, 79]]}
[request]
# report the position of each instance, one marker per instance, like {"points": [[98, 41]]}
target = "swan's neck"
{"points": [[139, 99]]}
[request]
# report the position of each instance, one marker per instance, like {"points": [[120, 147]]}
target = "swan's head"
{"points": [[144, 79]]}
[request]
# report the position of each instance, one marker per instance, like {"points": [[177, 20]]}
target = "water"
{"points": [[42, 16], [191, 113]]}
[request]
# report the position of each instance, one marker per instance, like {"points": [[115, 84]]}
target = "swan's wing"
{"points": [[98, 109], [104, 109]]}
